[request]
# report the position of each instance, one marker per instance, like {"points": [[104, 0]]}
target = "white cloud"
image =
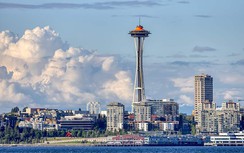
{"points": [[6, 39], [185, 100], [232, 78], [232, 94], [39, 69], [36, 44], [186, 85], [108, 63], [10, 93], [120, 87]]}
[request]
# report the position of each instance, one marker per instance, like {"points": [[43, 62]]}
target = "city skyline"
{"points": [[71, 52]]}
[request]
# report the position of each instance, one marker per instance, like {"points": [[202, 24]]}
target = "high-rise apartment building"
{"points": [[93, 107], [219, 120], [203, 93], [229, 117], [208, 119], [115, 116]]}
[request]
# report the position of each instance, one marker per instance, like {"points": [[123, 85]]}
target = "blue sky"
{"points": [[188, 37]]}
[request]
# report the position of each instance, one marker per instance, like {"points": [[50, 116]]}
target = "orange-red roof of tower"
{"points": [[139, 28]]}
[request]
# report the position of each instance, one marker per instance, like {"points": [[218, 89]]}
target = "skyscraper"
{"points": [[139, 35], [203, 93]]}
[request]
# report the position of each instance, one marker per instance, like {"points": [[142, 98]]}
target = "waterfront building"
{"points": [[203, 93], [115, 116], [93, 107], [125, 140], [228, 139], [173, 140]]}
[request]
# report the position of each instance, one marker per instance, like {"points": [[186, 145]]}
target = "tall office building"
{"points": [[115, 116], [93, 107], [203, 93]]}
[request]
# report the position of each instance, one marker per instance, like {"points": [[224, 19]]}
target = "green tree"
{"points": [[24, 109], [79, 133], [193, 129], [15, 110]]}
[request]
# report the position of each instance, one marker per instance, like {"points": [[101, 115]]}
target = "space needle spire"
{"points": [[139, 34]]}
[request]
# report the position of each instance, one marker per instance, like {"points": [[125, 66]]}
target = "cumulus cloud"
{"points": [[27, 56], [185, 100], [35, 44], [10, 93], [118, 86], [40, 69], [201, 49], [186, 85], [7, 38], [232, 94]]}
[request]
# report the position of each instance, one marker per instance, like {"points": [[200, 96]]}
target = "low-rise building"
{"points": [[167, 108], [77, 122]]}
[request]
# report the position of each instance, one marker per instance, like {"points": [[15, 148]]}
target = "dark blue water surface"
{"points": [[76, 149]]}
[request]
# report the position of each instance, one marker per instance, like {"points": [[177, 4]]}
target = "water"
{"points": [[76, 149]]}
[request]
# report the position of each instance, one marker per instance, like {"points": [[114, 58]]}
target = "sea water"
{"points": [[81, 149]]}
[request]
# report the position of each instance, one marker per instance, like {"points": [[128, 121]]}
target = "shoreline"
{"points": [[46, 145]]}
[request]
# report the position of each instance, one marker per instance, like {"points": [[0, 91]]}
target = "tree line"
{"points": [[16, 135]]}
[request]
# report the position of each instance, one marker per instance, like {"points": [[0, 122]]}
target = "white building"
{"points": [[143, 126], [104, 113], [142, 111], [218, 120], [115, 116], [93, 107]]}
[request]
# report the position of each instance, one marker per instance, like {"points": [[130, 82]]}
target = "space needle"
{"points": [[139, 34]]}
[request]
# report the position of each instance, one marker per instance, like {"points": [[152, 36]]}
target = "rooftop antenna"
{"points": [[139, 20]]}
